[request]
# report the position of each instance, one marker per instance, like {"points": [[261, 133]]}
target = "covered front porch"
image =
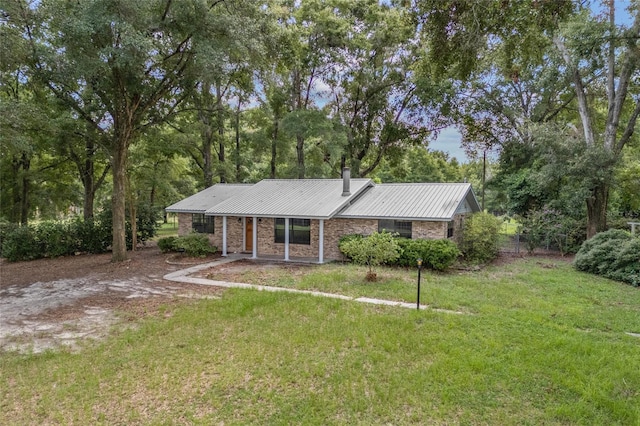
{"points": [[288, 239]]}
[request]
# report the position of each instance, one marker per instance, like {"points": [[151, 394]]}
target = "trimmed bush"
{"points": [[480, 242], [91, 236], [56, 239], [21, 244], [435, 254], [614, 254], [6, 228], [166, 244], [197, 245]]}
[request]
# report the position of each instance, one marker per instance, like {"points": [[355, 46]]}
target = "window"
{"points": [[403, 228], [450, 228], [202, 224], [299, 231]]}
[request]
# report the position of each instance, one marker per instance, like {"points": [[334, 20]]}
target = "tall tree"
{"points": [[122, 66], [603, 58], [374, 94]]}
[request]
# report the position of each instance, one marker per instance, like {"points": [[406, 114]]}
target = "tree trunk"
{"points": [[274, 141], [24, 198], [134, 223], [119, 168], [597, 210], [88, 202], [300, 152], [206, 157], [87, 181], [220, 125], [206, 134], [238, 177]]}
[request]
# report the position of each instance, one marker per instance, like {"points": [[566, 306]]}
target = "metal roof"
{"points": [[415, 201], [207, 198], [299, 198]]}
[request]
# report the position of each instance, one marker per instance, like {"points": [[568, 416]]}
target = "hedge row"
{"points": [[435, 254], [61, 238], [614, 254]]}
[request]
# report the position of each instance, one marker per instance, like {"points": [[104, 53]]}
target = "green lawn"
{"points": [[539, 344], [169, 229]]}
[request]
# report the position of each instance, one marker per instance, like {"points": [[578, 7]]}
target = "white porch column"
{"points": [[244, 234], [224, 236], [321, 242], [286, 238], [254, 255]]}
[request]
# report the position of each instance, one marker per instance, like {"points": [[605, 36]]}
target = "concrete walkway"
{"points": [[183, 276]]}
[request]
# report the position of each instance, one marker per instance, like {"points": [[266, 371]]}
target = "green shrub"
{"points": [[6, 228], [146, 224], [194, 245], [553, 228], [613, 254], [374, 250], [167, 244], [53, 239], [91, 236], [345, 239], [435, 254], [480, 241], [21, 244]]}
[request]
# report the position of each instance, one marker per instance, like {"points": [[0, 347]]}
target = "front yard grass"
{"points": [[541, 344]]}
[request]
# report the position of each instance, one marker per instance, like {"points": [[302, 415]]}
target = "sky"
{"points": [[449, 139]]}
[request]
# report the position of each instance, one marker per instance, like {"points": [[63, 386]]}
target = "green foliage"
{"points": [[166, 244], [6, 228], [613, 254], [61, 238], [21, 244], [435, 254], [55, 239], [347, 238], [480, 240], [552, 227], [91, 236], [194, 245], [373, 250], [146, 223]]}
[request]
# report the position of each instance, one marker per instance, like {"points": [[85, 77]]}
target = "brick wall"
{"points": [[336, 228], [234, 231], [428, 230], [333, 230]]}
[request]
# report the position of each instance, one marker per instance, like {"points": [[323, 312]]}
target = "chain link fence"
{"points": [[513, 240]]}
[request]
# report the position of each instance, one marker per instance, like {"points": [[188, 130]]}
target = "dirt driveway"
{"points": [[49, 303]]}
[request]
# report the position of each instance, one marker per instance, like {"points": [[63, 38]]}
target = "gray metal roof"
{"points": [[207, 198], [299, 198], [415, 201]]}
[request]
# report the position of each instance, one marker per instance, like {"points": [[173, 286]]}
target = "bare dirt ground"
{"points": [[49, 303]]}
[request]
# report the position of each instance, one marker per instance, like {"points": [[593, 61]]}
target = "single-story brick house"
{"points": [[307, 217]]}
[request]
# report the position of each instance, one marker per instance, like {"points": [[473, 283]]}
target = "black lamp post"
{"points": [[419, 261]]}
